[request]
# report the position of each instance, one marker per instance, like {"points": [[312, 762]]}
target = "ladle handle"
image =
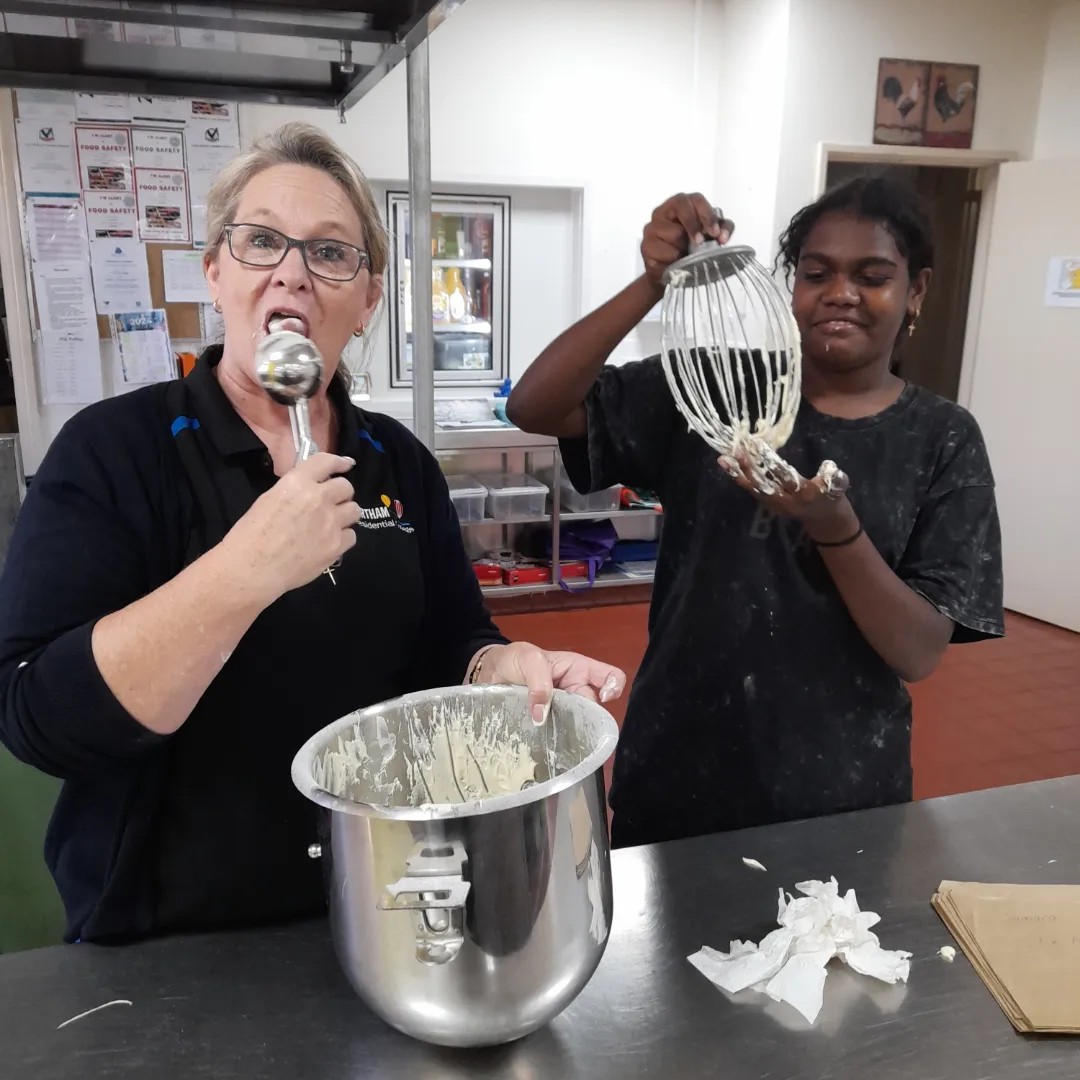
{"points": [[300, 420]]}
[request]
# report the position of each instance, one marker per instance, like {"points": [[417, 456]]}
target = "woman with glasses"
{"points": [[169, 631]]}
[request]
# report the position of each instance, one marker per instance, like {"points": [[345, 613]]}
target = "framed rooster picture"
{"points": [[950, 105], [900, 111]]}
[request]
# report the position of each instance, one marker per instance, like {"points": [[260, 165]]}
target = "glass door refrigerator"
{"points": [[470, 289]]}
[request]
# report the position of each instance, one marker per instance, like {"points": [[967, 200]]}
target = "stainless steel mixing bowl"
{"points": [[467, 924]]}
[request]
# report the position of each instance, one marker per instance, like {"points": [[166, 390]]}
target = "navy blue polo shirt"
{"points": [[204, 828]]}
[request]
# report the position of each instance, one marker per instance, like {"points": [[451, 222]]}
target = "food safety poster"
{"points": [[104, 158], [162, 199], [111, 215]]}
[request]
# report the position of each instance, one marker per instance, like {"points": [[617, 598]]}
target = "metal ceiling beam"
{"points": [[397, 27], [296, 28], [113, 67], [410, 37]]}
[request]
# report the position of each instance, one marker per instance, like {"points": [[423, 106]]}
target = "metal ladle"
{"points": [[290, 367]]}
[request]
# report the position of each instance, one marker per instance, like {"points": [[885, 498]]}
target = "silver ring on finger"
{"points": [[836, 481]]}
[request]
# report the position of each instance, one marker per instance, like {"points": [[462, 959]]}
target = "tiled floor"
{"points": [[1001, 712]]}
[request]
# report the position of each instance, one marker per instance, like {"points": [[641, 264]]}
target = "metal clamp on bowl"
{"points": [[433, 885]]}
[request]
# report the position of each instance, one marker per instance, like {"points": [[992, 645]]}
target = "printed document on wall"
{"points": [[149, 33], [69, 357], [56, 105], [1063, 282], [70, 367], [91, 28], [185, 282], [204, 164], [65, 299], [200, 38], [113, 108], [111, 214], [155, 149], [168, 110], [142, 342], [121, 276], [208, 131], [47, 156], [57, 229], [207, 107], [104, 157], [163, 205]]}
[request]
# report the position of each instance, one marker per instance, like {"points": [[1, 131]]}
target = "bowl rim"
{"points": [[301, 770]]}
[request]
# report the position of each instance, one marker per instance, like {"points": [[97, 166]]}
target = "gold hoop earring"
{"points": [[216, 305], [911, 325]]}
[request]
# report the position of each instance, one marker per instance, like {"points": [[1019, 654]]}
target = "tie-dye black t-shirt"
{"points": [[759, 700]]}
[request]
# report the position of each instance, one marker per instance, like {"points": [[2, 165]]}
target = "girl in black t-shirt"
{"points": [[783, 627]]}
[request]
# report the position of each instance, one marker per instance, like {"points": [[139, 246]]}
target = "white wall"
{"points": [[1025, 386], [1058, 132], [833, 54], [752, 58], [615, 97]]}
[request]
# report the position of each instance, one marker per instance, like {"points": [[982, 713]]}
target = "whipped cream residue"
{"points": [[451, 755]]}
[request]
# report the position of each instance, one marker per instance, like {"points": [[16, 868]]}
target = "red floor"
{"points": [[1001, 712]]}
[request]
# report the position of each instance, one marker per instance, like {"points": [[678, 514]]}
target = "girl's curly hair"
{"points": [[874, 198]]}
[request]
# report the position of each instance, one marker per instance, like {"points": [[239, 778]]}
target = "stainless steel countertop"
{"points": [[273, 1004], [501, 437], [493, 437]]}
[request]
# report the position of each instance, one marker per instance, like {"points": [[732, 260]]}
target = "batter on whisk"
{"points": [[784, 626]]}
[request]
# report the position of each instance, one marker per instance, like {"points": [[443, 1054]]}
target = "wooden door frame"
{"points": [[986, 163]]}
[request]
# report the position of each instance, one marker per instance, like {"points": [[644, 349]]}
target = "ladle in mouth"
{"points": [[289, 368]]}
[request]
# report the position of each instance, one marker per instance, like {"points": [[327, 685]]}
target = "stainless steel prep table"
{"points": [[273, 1004]]}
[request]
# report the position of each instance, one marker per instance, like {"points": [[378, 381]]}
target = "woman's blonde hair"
{"points": [[300, 144], [295, 144]]}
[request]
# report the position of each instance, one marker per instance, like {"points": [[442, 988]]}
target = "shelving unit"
{"points": [[564, 515], [462, 328], [461, 264], [509, 450], [603, 581]]}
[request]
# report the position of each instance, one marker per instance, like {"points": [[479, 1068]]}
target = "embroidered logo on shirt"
{"points": [[390, 515]]}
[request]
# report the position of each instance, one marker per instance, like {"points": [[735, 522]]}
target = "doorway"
{"points": [[934, 356]]}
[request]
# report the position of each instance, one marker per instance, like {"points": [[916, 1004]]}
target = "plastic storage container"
{"points": [[512, 495], [468, 496], [602, 502], [598, 502]]}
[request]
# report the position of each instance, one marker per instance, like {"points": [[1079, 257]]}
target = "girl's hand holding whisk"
{"points": [[819, 503], [675, 224]]}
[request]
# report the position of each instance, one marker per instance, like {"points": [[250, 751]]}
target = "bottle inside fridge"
{"points": [[482, 229], [438, 236], [458, 302], [440, 297]]}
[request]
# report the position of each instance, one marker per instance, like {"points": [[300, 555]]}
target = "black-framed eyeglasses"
{"points": [[259, 245]]}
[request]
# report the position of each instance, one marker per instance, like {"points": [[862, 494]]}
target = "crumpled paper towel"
{"points": [[789, 964]]}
